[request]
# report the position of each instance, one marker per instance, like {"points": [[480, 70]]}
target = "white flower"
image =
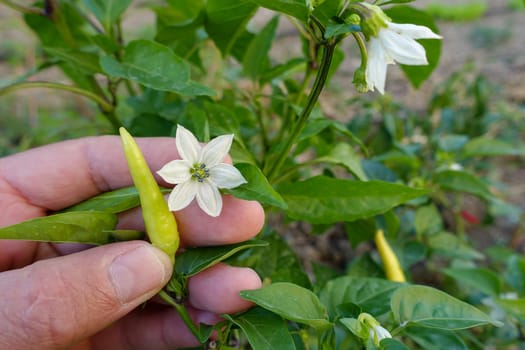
{"points": [[395, 43], [378, 333], [200, 173]]}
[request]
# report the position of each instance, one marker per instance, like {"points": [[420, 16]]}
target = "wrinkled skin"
{"points": [[65, 296]]}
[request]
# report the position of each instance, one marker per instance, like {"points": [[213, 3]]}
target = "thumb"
{"points": [[54, 303]]}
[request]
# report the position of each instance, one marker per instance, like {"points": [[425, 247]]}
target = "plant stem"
{"points": [[23, 9], [104, 105], [320, 80], [183, 313]]}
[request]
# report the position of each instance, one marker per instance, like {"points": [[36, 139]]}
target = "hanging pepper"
{"points": [[161, 226], [391, 264]]}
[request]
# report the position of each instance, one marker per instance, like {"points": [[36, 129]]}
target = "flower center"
{"points": [[199, 172]]}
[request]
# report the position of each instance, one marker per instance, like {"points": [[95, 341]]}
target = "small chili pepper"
{"points": [[391, 264], [161, 226]]}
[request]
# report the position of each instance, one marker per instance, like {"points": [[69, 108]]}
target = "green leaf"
{"points": [[193, 260], [257, 188], [324, 200], [358, 231], [406, 14], [392, 344], [483, 146], [226, 21], [263, 329], [513, 306], [255, 60], [182, 12], [435, 339], [335, 29], [447, 244], [515, 272], [156, 66], [277, 262], [428, 220], [107, 11], [292, 302], [112, 202], [85, 61], [83, 227], [371, 294], [428, 307], [462, 181], [452, 143], [343, 154], [481, 279], [294, 8], [355, 327]]}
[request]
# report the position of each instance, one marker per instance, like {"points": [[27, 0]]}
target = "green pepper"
{"points": [[161, 226]]}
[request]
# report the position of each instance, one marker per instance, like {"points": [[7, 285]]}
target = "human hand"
{"points": [[65, 296]]}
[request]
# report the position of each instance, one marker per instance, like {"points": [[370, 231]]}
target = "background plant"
{"points": [[203, 66]]}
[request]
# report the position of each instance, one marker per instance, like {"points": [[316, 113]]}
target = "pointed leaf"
{"points": [[87, 62], [226, 21], [255, 59], [324, 200], [428, 307], [435, 339], [392, 344], [263, 329], [112, 202], [371, 294], [83, 227], [484, 146], [484, 280], [447, 244], [513, 306], [462, 181], [294, 8], [156, 66], [343, 154], [194, 260], [257, 188], [292, 302], [107, 11], [406, 14], [428, 220]]}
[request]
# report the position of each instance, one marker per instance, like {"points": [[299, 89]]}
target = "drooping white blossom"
{"points": [[389, 43], [200, 173]]}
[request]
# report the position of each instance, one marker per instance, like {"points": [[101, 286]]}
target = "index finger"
{"points": [[58, 175]]}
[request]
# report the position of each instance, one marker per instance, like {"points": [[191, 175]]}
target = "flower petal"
{"points": [[176, 171], [187, 145], [182, 195], [226, 176], [403, 49], [215, 151], [376, 66], [414, 31], [209, 198]]}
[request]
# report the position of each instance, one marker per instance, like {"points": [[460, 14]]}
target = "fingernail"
{"points": [[139, 272]]}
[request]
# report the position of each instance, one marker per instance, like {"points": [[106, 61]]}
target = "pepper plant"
{"points": [[380, 177]]}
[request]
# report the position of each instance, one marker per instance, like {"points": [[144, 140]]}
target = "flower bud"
{"points": [[359, 80], [373, 19]]}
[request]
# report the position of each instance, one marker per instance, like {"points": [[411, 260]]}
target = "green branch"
{"points": [[22, 9], [320, 80], [106, 107]]}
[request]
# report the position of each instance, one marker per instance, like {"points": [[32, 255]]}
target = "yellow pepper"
{"points": [[391, 264], [161, 226]]}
